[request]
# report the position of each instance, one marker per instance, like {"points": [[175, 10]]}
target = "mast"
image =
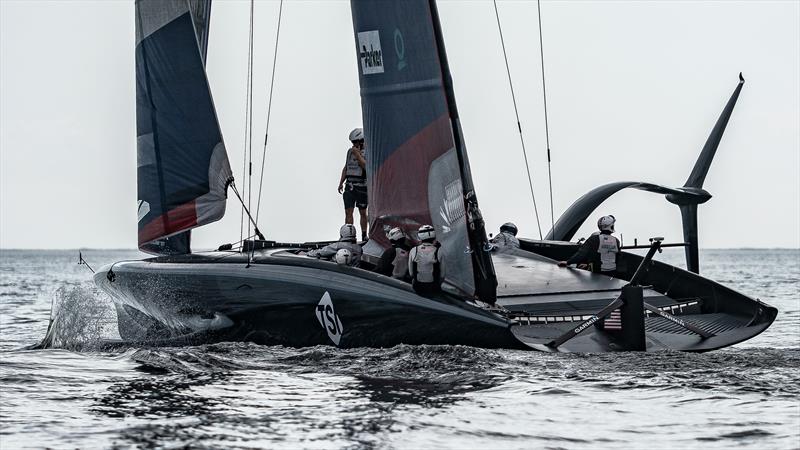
{"points": [[485, 278]]}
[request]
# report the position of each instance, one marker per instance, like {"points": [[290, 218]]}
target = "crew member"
{"points": [[394, 261], [599, 252], [506, 239], [347, 239], [353, 182], [425, 264]]}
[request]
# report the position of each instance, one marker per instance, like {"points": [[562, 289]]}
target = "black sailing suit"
{"points": [[588, 254]]}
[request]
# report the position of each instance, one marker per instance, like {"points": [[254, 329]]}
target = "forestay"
{"points": [[183, 168], [417, 170]]}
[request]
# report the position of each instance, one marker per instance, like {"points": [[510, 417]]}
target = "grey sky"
{"points": [[633, 88]]}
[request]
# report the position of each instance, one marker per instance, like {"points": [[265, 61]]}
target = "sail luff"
{"points": [[485, 278], [153, 125], [201, 18]]}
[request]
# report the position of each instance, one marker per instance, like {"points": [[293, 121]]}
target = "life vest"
{"points": [[352, 170], [505, 241], [426, 259], [608, 249], [400, 264]]}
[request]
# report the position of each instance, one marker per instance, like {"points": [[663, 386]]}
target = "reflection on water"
{"points": [[223, 393], [243, 395], [430, 394], [164, 396]]}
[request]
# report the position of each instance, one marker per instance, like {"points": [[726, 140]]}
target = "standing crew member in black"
{"points": [[353, 182], [424, 263], [599, 252], [394, 261]]}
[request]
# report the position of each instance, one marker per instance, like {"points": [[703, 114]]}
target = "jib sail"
{"points": [[183, 168], [417, 167]]}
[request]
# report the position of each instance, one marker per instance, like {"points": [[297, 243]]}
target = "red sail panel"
{"points": [[394, 192]]}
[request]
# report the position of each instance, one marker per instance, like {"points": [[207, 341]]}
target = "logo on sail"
{"points": [[327, 317], [369, 52], [453, 207], [400, 49]]}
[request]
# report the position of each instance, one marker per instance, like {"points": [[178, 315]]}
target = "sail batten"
{"points": [[183, 168]]}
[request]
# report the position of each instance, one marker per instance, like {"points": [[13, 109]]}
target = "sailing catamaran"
{"points": [[418, 173]]}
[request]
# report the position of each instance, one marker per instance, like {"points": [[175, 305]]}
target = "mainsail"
{"points": [[183, 168], [417, 167]]}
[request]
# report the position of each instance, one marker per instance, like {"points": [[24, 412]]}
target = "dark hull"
{"points": [[731, 316], [283, 299], [275, 301]]}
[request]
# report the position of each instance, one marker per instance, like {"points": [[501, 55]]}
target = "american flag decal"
{"points": [[613, 321]]}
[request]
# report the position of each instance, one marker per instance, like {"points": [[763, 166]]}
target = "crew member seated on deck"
{"points": [[599, 253], [347, 239], [506, 239], [394, 261], [424, 263], [353, 182]]}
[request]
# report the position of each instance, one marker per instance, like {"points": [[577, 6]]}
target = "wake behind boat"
{"points": [[418, 173]]}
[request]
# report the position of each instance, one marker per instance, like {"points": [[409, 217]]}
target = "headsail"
{"points": [[201, 18], [417, 166], [183, 168]]}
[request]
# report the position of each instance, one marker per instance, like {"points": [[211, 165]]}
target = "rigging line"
{"points": [[250, 116], [246, 210], [244, 142], [516, 113], [269, 108], [546, 123]]}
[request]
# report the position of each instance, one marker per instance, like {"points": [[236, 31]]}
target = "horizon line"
{"points": [[213, 249]]}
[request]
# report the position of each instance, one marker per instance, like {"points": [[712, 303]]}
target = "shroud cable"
{"points": [[546, 123], [516, 112], [269, 108]]}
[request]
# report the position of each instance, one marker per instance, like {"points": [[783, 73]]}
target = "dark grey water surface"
{"points": [[239, 395]]}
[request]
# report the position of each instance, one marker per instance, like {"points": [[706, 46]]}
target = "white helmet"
{"points": [[606, 223], [343, 257], [347, 232], [357, 135], [510, 227], [396, 234], [426, 233]]}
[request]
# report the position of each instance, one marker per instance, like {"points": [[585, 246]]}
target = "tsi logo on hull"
{"points": [[369, 52], [327, 317]]}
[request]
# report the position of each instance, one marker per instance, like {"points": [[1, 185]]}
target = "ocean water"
{"points": [[241, 395]]}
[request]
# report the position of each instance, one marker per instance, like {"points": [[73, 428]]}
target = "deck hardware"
{"points": [[655, 246]]}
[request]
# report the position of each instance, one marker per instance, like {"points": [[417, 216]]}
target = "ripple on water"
{"points": [[243, 395]]}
